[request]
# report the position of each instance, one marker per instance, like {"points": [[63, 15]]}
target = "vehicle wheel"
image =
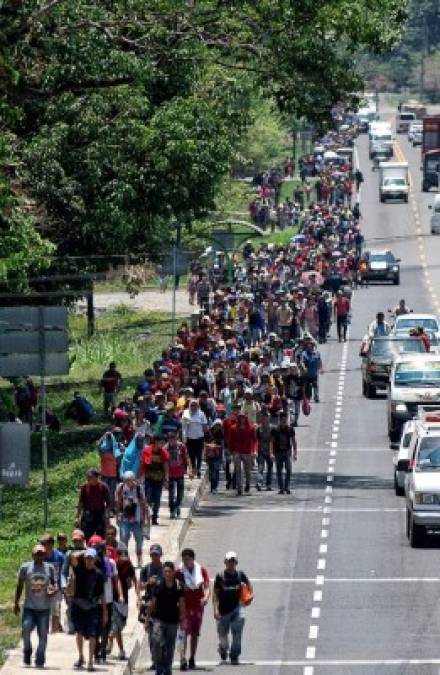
{"points": [[382, 199], [425, 187], [416, 534], [396, 281], [371, 390], [405, 199], [364, 387], [398, 490]]}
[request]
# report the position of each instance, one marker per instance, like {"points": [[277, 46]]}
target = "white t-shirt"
{"points": [[193, 424], [108, 583]]}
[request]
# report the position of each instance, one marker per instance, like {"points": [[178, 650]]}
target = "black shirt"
{"points": [[89, 585], [167, 602], [228, 588], [283, 438], [147, 572]]}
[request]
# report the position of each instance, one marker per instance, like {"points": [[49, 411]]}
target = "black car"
{"points": [[376, 362], [381, 266]]}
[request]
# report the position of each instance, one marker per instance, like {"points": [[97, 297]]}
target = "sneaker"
{"points": [[27, 658], [287, 491], [78, 664], [178, 512], [235, 661], [192, 663], [223, 654], [269, 488], [183, 664], [154, 521], [247, 488], [258, 487], [121, 656], [172, 515], [280, 492]]}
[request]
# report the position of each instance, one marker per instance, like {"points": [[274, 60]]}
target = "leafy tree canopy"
{"points": [[125, 114]]}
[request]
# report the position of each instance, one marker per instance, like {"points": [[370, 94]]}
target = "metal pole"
{"points": [[43, 413], [173, 308]]}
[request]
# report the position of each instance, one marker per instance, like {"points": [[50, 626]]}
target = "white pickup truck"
{"points": [[393, 181]]}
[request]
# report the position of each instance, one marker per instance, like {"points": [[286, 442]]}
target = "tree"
{"points": [[127, 114]]}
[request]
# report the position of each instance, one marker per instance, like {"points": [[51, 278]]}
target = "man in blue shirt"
{"points": [[312, 364]]}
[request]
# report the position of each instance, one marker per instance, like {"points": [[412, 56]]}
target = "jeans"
{"points": [[341, 324], [253, 335], [246, 460], [176, 488], [233, 622], [126, 529], [195, 452], [262, 462], [284, 461], [153, 492], [294, 409], [38, 619], [163, 640], [214, 472]]}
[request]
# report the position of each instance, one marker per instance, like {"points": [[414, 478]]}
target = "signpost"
{"points": [[33, 341]]}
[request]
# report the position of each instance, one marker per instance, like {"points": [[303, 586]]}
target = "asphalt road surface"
{"points": [[338, 589]]}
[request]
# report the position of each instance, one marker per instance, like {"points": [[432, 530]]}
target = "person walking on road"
{"points": [[167, 610], [38, 578], [89, 608], [194, 579], [55, 558], [154, 463], [312, 367], [264, 452], [132, 512], [150, 576], [243, 444], [228, 613], [110, 385], [284, 448], [178, 464], [94, 505], [194, 427], [342, 311]]}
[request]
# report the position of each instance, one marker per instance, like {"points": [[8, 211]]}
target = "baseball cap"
{"points": [[90, 553], [95, 540], [231, 555], [38, 548], [156, 548], [77, 534]]}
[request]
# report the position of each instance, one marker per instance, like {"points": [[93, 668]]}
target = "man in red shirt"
{"points": [[93, 505], [178, 462], [228, 423], [196, 592], [242, 444], [110, 385], [342, 310]]}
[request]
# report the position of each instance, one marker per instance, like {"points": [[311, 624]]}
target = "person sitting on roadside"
{"points": [[80, 409]]}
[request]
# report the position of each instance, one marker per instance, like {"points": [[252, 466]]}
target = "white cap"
{"points": [[231, 555]]}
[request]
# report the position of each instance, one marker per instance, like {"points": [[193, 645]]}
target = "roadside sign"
{"points": [[15, 453], [22, 365]]}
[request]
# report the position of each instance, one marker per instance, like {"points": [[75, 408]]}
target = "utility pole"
{"points": [[42, 348]]}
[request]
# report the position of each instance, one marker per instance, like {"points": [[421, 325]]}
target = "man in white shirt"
{"points": [[194, 427]]}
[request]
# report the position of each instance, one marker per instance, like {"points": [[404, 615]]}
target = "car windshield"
{"points": [[381, 257], [407, 116], [417, 374], [427, 324], [392, 348], [428, 456], [394, 181]]}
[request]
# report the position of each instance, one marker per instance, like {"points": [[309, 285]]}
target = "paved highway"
{"points": [[338, 589]]}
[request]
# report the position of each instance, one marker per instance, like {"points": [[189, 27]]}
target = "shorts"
{"points": [[193, 621], [55, 604], [119, 619], [86, 622]]}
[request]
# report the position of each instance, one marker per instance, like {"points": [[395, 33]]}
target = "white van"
{"points": [[435, 218], [403, 120]]}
